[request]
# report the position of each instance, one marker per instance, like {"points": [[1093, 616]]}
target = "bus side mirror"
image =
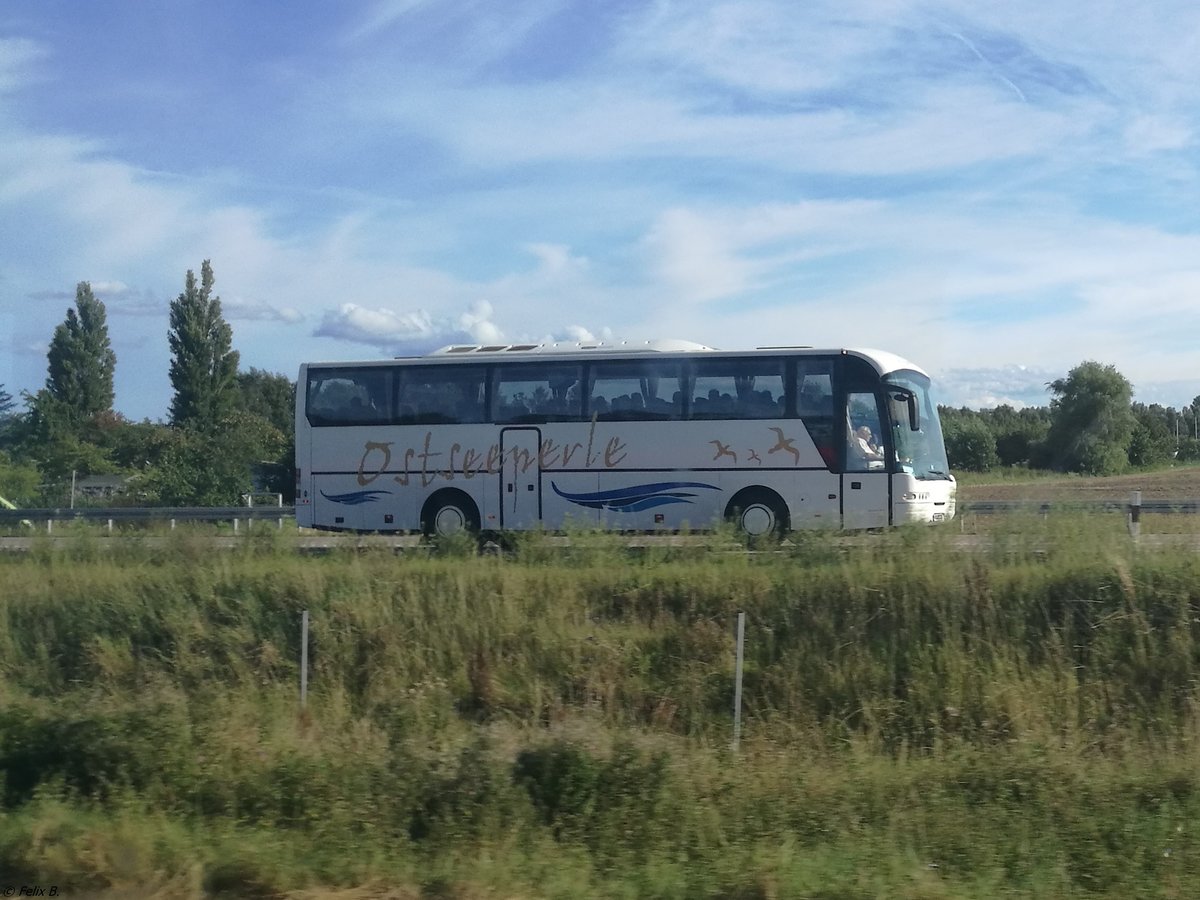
{"points": [[914, 414]]}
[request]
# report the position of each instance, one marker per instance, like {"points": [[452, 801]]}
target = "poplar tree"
{"points": [[203, 364], [81, 359]]}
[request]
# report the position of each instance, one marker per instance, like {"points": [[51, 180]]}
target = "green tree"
{"points": [[1019, 433], [81, 359], [1190, 416], [203, 364], [1091, 420], [970, 444], [53, 437], [1153, 441], [271, 398], [268, 395], [1189, 450], [212, 467], [18, 482], [7, 403]]}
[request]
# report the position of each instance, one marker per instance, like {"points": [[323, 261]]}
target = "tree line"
{"points": [[1091, 426], [228, 430]]}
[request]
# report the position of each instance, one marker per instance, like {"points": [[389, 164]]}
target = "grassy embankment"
{"points": [[918, 723]]}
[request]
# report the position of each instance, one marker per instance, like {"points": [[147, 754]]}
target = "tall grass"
{"points": [[554, 720]]}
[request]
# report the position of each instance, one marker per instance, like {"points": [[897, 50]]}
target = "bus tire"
{"points": [[448, 512], [758, 512]]}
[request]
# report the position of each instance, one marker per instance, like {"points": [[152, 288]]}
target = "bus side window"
{"points": [[349, 396], [636, 391], [814, 405], [532, 394], [738, 388], [439, 395], [864, 438]]}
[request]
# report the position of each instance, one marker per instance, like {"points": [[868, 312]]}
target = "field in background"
{"points": [[556, 722], [1181, 482]]}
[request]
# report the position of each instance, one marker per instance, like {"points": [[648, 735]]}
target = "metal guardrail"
{"points": [[234, 514], [994, 507], [110, 515]]}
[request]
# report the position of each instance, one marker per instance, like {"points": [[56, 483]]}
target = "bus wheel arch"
{"points": [[758, 512], [449, 511]]}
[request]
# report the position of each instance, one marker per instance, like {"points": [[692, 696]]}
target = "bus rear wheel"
{"points": [[758, 513], [449, 512]]}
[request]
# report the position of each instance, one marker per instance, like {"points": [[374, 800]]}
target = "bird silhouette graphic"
{"points": [[754, 456], [784, 443], [723, 450]]}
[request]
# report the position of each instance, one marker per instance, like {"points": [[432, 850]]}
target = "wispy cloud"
{"points": [[240, 308], [17, 58], [381, 15]]}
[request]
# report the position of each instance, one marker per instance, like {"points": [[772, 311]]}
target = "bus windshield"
{"points": [[916, 429]]}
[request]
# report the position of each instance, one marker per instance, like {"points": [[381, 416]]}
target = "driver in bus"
{"points": [[864, 444]]}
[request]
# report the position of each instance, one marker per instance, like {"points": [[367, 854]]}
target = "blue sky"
{"points": [[997, 191]]}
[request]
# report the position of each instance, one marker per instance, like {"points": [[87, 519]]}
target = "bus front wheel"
{"points": [[758, 512], [449, 512]]}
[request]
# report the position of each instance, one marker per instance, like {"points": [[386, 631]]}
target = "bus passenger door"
{"points": [[520, 478], [866, 485]]}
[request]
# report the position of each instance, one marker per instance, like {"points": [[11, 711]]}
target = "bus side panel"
{"points": [[811, 495], [569, 499], [670, 476], [353, 487], [303, 462], [338, 501], [659, 500], [814, 500], [304, 485]]}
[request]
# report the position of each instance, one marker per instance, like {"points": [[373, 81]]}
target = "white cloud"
{"points": [[477, 322], [106, 289], [579, 334], [986, 388], [417, 330], [236, 308], [377, 327]]}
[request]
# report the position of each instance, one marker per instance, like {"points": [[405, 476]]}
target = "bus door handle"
{"points": [[856, 485], [510, 487]]}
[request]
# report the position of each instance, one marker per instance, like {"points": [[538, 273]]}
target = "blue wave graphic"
{"points": [[355, 497], [638, 497]]}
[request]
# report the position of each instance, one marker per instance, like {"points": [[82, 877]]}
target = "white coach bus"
{"points": [[654, 436]]}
